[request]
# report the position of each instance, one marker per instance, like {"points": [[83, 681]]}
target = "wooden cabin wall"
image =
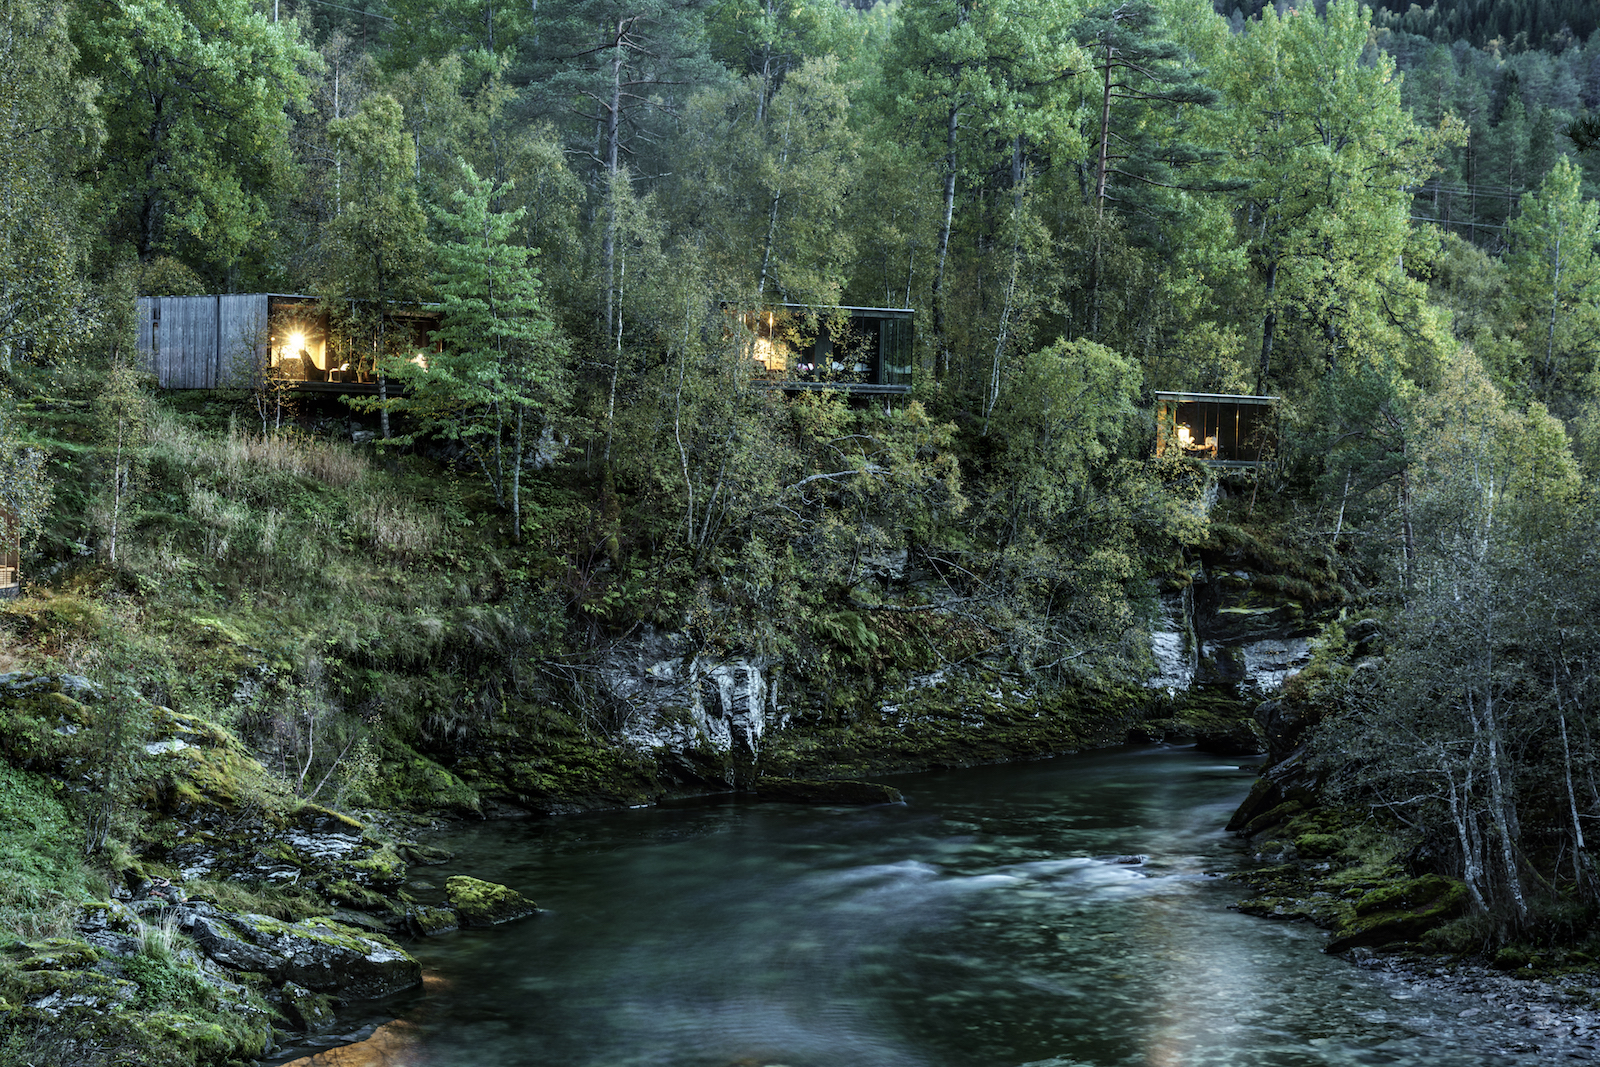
{"points": [[243, 340], [186, 341], [203, 342]]}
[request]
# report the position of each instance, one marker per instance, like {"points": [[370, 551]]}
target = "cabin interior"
{"points": [[855, 349], [303, 347], [10, 554], [1220, 429]]}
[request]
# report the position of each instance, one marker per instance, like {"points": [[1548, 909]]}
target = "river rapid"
{"points": [[1062, 913]]}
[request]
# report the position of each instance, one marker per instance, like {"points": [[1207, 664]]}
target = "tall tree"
{"points": [[195, 95], [1327, 157], [50, 124], [765, 184], [1553, 274], [379, 241], [958, 70], [1140, 71], [500, 375]]}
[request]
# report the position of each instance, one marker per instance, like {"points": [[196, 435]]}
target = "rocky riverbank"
{"points": [[226, 914], [1558, 1019]]}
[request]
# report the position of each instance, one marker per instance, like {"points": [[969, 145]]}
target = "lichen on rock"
{"points": [[480, 903]]}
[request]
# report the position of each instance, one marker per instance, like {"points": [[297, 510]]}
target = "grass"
{"points": [[41, 852], [158, 940]]}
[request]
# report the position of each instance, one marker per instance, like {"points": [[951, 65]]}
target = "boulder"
{"points": [[322, 955], [480, 903], [423, 855], [812, 791], [1401, 911], [304, 1010], [1240, 737], [425, 921]]}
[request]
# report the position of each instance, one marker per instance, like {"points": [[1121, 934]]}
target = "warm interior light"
{"points": [[297, 341], [771, 355], [1184, 437], [420, 360]]}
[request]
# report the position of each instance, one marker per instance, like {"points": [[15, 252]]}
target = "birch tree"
{"points": [[1553, 274]]}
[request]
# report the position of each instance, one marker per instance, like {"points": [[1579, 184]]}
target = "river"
{"points": [[1062, 913]]}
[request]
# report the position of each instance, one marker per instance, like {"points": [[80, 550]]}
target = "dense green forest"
{"points": [[1379, 217]]}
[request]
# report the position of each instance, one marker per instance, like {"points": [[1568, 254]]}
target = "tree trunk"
{"points": [[1269, 326], [608, 244], [516, 479], [1501, 809], [1105, 140], [940, 342]]}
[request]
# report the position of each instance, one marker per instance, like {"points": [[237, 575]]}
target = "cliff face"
{"points": [[1225, 627]]}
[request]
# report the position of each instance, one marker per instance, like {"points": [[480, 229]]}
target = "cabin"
{"points": [[241, 341], [858, 350], [10, 554], [1218, 429]]}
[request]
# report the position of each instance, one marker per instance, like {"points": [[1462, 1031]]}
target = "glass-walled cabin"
{"points": [[305, 344], [10, 554], [242, 340], [855, 349], [1221, 429]]}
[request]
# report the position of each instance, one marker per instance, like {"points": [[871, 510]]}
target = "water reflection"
{"points": [[1056, 914], [391, 1045]]}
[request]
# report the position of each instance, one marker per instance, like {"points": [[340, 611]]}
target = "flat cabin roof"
{"points": [[845, 307], [1216, 398]]}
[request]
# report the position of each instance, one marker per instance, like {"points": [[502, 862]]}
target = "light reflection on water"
{"points": [[1054, 914]]}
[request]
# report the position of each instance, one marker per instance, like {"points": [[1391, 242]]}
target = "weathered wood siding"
{"points": [[203, 342], [243, 340]]}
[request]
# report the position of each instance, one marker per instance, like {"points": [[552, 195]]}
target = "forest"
{"points": [[1387, 218]]}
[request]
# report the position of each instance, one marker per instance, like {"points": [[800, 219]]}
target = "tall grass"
{"points": [[242, 457], [387, 522], [158, 939]]}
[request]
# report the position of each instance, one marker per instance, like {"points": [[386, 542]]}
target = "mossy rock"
{"points": [[54, 992], [354, 895], [60, 954], [425, 921], [1511, 958], [1276, 816], [1264, 796], [1145, 733], [480, 903], [318, 953], [1171, 731], [423, 855], [1318, 846], [1236, 737], [1403, 911], [304, 1010], [318, 819], [1407, 894]]}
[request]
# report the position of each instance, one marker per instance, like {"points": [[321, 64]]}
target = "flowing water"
{"points": [[1053, 914]]}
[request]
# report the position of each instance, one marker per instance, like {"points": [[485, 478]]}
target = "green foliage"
{"points": [[49, 123], [24, 488], [1553, 282], [500, 377], [1325, 154], [196, 98], [46, 877]]}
